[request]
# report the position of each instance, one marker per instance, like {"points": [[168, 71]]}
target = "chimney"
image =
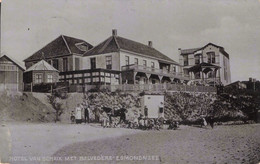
{"points": [[179, 50], [114, 32], [150, 44]]}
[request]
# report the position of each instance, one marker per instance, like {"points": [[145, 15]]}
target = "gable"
{"points": [[7, 60], [63, 45], [117, 43]]}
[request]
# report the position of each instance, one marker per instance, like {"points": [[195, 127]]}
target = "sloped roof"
{"points": [[14, 61], [117, 43], [63, 45], [189, 51], [41, 66], [193, 50]]}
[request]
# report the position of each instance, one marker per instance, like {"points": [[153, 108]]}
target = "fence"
{"points": [[152, 87], [49, 87], [124, 87]]}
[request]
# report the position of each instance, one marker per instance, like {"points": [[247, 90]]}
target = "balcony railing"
{"points": [[150, 69], [207, 80]]}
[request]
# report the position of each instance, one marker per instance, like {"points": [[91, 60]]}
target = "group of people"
{"points": [[81, 114]]}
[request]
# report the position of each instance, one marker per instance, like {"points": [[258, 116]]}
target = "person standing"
{"points": [[86, 113], [145, 112], [161, 111], [204, 122], [78, 114], [97, 114], [211, 122]]}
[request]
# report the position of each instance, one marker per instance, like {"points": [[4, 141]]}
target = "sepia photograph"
{"points": [[129, 81]]}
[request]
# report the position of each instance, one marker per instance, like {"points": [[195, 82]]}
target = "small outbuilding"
{"points": [[11, 74], [41, 73], [152, 106]]}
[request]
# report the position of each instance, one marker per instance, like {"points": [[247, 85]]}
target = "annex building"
{"points": [[206, 65], [11, 74]]}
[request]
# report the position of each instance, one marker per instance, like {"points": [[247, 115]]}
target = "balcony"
{"points": [[156, 71], [207, 80]]}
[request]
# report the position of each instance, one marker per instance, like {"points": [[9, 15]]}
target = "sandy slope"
{"points": [[223, 144]]}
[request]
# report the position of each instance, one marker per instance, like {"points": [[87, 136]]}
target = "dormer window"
{"points": [[81, 46]]}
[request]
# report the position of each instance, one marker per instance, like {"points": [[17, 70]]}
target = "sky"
{"points": [[28, 25]]}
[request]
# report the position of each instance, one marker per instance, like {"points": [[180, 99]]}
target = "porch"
{"points": [[205, 73], [139, 74]]}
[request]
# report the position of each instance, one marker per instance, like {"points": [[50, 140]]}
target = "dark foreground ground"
{"points": [[223, 144], [28, 143]]}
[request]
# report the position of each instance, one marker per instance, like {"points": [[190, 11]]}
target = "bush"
{"points": [[57, 106]]}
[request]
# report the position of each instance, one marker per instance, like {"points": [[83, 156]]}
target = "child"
{"points": [[72, 116]]}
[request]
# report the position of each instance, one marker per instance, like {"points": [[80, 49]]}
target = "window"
{"points": [[38, 78], [126, 60], [93, 63], [211, 57], [76, 64], [109, 62], [95, 74], [95, 79], [49, 79], [144, 63], [136, 61], [86, 74], [65, 64], [81, 47], [174, 69], [186, 60], [56, 63], [197, 59], [152, 64], [87, 80]]}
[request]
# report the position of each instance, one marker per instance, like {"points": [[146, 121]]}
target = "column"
{"points": [[160, 77], [148, 75]]}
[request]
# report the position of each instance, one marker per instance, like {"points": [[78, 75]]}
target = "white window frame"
{"points": [[37, 79], [49, 78]]}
